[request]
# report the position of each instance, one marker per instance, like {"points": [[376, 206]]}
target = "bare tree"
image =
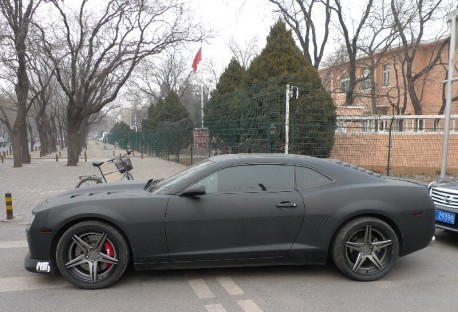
{"points": [[411, 20], [18, 17], [304, 17], [244, 54], [95, 52], [376, 39], [168, 72], [5, 109], [351, 41], [43, 90]]}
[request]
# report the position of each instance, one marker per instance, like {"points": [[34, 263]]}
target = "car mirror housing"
{"points": [[194, 190]]}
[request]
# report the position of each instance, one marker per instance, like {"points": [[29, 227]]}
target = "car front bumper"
{"points": [[38, 266], [449, 226]]}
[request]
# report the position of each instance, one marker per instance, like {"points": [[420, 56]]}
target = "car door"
{"points": [[248, 211]]}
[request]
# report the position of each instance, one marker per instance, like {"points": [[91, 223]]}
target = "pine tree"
{"points": [[222, 112], [166, 111], [312, 113]]}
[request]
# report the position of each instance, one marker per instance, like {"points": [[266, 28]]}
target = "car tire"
{"points": [[365, 249], [92, 255]]}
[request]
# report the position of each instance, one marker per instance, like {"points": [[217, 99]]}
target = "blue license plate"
{"points": [[447, 217]]}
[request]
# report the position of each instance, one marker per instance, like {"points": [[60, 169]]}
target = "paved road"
{"points": [[424, 281]]}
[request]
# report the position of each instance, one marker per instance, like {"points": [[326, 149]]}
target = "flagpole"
{"points": [[202, 101]]}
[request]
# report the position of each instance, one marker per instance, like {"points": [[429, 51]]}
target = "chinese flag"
{"points": [[197, 59]]}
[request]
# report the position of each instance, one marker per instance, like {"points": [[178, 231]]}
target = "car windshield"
{"points": [[163, 186]]}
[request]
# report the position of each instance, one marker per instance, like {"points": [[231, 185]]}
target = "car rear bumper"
{"points": [[38, 266]]}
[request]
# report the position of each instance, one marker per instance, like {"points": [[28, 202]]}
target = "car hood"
{"points": [[123, 188], [449, 182]]}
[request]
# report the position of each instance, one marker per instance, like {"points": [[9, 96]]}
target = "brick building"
{"points": [[382, 91]]}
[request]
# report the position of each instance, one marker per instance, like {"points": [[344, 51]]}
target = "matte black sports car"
{"points": [[233, 210], [444, 193]]}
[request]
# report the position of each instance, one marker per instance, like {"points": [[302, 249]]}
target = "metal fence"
{"points": [[391, 145]]}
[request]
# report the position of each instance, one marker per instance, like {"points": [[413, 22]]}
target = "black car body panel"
{"points": [[274, 224]]}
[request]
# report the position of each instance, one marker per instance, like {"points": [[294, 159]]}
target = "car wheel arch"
{"points": [[379, 216], [68, 225]]}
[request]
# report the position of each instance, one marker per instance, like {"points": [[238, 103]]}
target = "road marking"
{"points": [[13, 244], [249, 306], [201, 289], [8, 284], [215, 308], [230, 286]]}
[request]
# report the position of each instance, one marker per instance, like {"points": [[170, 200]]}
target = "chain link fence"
{"points": [[254, 122]]}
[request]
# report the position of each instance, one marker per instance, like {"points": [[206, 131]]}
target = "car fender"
{"points": [[132, 223]]}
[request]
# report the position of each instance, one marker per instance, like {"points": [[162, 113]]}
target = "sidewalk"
{"points": [[45, 177]]}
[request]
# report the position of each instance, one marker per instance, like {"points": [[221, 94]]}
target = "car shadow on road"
{"points": [[448, 238]]}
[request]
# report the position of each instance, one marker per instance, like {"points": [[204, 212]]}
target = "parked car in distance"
{"points": [[233, 210], [444, 193]]}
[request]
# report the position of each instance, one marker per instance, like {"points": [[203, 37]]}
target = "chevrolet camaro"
{"points": [[233, 210]]}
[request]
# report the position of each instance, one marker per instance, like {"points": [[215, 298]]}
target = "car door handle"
{"points": [[286, 204]]}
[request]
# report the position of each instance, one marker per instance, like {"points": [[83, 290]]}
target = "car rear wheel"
{"points": [[365, 249], [92, 255]]}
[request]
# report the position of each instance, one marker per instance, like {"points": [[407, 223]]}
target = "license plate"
{"points": [[447, 217]]}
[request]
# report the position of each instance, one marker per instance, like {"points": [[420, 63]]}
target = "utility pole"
{"points": [[452, 18]]}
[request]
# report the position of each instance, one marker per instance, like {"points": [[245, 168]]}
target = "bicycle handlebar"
{"points": [[128, 152]]}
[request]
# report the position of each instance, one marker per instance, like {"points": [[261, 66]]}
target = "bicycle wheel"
{"points": [[88, 181]]}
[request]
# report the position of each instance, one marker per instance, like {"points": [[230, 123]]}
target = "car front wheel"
{"points": [[92, 255], [365, 249]]}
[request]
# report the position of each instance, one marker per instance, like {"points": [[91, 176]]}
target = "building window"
{"points": [[366, 83], [386, 75], [345, 83]]}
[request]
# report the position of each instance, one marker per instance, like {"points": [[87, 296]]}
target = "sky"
{"points": [[241, 20]]}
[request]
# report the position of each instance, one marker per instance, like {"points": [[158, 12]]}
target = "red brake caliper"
{"points": [[109, 252]]}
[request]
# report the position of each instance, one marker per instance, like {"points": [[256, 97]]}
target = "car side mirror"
{"points": [[194, 190]]}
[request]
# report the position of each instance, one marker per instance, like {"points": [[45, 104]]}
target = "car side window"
{"points": [[250, 178], [308, 178]]}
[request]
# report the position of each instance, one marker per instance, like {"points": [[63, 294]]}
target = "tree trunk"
{"points": [[416, 103], [25, 146], [42, 126], [17, 140], [73, 142]]}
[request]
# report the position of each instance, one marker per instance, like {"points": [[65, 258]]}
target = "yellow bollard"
{"points": [[9, 206], [113, 153], [133, 153], [142, 156], [85, 156], [60, 155], [57, 157], [1, 158]]}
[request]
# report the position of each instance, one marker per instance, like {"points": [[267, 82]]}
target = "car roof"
{"points": [[260, 157], [290, 159]]}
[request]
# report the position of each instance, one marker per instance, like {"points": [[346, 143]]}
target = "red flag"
{"points": [[197, 59]]}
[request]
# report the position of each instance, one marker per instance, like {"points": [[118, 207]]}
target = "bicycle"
{"points": [[123, 165]]}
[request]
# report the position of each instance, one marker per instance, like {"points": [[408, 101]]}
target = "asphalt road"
{"points": [[423, 281]]}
